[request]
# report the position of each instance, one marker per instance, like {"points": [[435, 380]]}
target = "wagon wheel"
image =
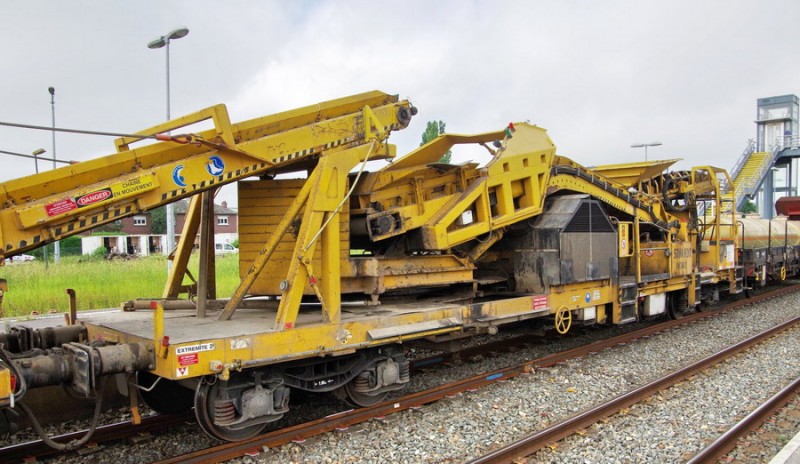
{"points": [[206, 407], [677, 303], [563, 320], [348, 394]]}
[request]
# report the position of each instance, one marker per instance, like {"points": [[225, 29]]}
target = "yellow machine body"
{"points": [[335, 259]]}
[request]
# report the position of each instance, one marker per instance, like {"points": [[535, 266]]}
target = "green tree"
{"points": [[158, 219], [71, 246], [432, 130], [748, 207]]}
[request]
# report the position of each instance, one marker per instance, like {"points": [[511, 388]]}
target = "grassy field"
{"points": [[98, 283]]}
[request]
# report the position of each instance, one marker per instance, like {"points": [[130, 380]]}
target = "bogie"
{"points": [[239, 408]]}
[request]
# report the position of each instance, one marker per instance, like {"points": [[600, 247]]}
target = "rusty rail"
{"points": [[727, 441]]}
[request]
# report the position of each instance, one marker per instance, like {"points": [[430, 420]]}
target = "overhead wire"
{"points": [[181, 138]]}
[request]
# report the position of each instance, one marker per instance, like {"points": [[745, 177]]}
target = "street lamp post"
{"points": [[36, 153], [35, 156], [645, 145], [52, 90], [160, 42]]}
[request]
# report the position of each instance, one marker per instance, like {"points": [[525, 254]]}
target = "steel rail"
{"points": [[349, 418], [536, 441], [727, 441]]}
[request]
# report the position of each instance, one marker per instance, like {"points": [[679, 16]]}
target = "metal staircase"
{"points": [[748, 173]]}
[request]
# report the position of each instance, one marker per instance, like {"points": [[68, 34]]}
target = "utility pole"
{"points": [[162, 42], [52, 90]]}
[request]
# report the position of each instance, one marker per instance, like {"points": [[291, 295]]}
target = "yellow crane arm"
{"points": [[49, 206]]}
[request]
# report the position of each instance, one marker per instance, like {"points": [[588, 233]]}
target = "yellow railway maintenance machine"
{"points": [[340, 267]]}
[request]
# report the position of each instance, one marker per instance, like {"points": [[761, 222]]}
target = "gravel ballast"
{"points": [[685, 417]]}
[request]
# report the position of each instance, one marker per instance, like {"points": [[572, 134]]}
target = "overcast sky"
{"points": [[599, 75]]}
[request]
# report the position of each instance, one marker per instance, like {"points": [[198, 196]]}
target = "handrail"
{"points": [[748, 150], [749, 185], [787, 141]]}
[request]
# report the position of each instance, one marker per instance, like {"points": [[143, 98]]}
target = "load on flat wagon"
{"points": [[770, 248], [342, 268]]}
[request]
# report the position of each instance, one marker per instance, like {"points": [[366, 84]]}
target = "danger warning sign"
{"points": [[187, 359], [60, 207]]}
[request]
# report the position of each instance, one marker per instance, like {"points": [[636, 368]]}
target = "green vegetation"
{"points": [[70, 246], [158, 217], [748, 207], [98, 283], [432, 130]]}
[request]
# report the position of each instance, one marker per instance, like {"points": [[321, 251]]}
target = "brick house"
{"points": [[136, 235]]}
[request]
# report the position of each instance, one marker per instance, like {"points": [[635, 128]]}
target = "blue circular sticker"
{"points": [[215, 165], [177, 177]]}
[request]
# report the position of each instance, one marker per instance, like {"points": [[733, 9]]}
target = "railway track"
{"points": [[727, 441], [536, 441], [37, 449], [349, 418]]}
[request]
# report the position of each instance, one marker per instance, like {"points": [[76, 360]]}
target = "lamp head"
{"points": [[52, 90], [177, 33], [39, 151], [158, 43]]}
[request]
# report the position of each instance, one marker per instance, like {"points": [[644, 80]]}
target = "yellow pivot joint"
{"points": [[373, 128]]}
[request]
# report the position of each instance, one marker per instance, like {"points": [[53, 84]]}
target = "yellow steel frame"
{"points": [[330, 180], [180, 259], [319, 202], [511, 189], [48, 206], [718, 227], [338, 337]]}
